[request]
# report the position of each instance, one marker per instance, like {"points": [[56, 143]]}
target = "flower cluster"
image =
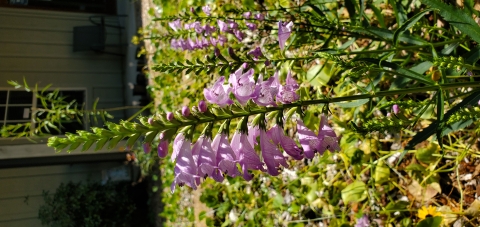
{"points": [[219, 157], [242, 84]]}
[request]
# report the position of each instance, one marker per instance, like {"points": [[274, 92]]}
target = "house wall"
{"points": [[21, 188], [38, 45]]}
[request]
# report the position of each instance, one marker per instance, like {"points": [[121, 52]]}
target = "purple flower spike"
{"points": [[185, 168], [243, 85], [169, 116], [247, 15], [202, 106], [395, 109], [185, 111], [363, 222], [329, 140], [147, 148], [162, 148], [218, 93], [284, 31], [226, 158], [287, 93], [257, 52], [308, 140], [272, 157], [175, 25], [222, 26], [251, 26], [246, 155], [206, 161], [287, 143], [207, 10], [266, 91], [259, 17]]}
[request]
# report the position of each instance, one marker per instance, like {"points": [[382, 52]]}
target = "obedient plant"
{"points": [[286, 78]]}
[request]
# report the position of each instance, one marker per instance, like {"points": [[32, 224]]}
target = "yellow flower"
{"points": [[429, 211]]}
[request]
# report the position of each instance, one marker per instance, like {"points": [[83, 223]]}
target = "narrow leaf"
{"points": [[407, 25]]}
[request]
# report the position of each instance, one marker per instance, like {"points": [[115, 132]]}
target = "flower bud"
{"points": [[395, 109], [202, 106], [146, 148], [217, 52], [150, 120], [247, 15], [169, 116], [259, 17], [192, 10], [185, 111]]}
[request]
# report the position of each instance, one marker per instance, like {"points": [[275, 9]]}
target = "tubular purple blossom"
{"points": [[222, 26], [162, 149], [206, 161], [185, 168], [284, 31], [246, 155], [396, 109], [243, 85], [363, 222], [226, 159], [218, 93], [256, 53], [287, 93], [247, 15], [266, 91], [251, 26], [308, 140], [175, 25], [272, 157], [207, 10], [169, 116], [287, 143], [259, 17]]}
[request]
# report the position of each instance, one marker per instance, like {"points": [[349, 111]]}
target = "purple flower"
{"points": [[246, 155], [226, 159], [213, 41], [147, 148], [185, 168], [311, 143], [239, 34], [209, 29], [162, 148], [287, 93], [218, 93], [232, 24], [206, 9], [363, 222], [251, 26], [243, 85], [197, 26], [308, 140], [169, 116], [287, 143], [395, 109], [257, 52], [259, 17], [272, 157], [247, 15], [284, 31], [266, 91], [202, 106], [222, 40], [206, 159], [253, 133], [328, 136], [175, 25], [222, 26], [177, 143], [185, 111]]}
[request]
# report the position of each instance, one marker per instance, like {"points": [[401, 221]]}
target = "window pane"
{"points": [[2, 113], [18, 113], [20, 97], [3, 97]]}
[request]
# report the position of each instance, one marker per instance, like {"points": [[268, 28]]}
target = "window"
{"points": [[16, 107]]}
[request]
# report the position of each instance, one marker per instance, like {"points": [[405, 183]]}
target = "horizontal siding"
{"points": [[59, 65], [66, 79], [21, 188]]}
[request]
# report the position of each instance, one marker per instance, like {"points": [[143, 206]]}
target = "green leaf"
{"points": [[408, 25], [132, 139], [101, 143], [385, 34], [149, 136], [14, 84], [87, 145], [352, 104], [431, 222], [278, 201], [378, 15], [456, 17], [26, 85], [350, 5], [354, 192], [400, 71], [114, 141], [472, 99]]}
